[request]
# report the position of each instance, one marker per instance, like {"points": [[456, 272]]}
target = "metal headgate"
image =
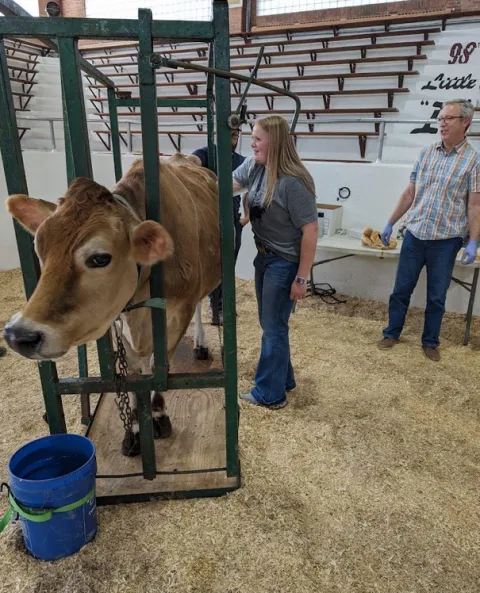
{"points": [[65, 33]]}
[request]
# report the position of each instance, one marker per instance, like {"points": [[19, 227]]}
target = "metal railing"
{"points": [[358, 120]]}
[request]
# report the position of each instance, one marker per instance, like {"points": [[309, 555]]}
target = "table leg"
{"points": [[471, 301]]}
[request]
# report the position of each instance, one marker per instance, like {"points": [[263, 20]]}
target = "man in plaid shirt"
{"points": [[443, 204]]}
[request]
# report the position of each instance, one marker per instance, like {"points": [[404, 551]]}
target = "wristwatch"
{"points": [[300, 280]]}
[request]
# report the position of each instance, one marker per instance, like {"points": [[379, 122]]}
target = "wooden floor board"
{"points": [[197, 441]]}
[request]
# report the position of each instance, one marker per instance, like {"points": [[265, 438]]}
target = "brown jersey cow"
{"points": [[90, 247]]}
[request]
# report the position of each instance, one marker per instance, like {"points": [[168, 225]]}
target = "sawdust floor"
{"points": [[367, 482]]}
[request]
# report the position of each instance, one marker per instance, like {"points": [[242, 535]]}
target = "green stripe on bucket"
{"points": [[40, 516]]}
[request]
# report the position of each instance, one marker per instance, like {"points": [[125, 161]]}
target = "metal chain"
{"points": [[122, 399]]}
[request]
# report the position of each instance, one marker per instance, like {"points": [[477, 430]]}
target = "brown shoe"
{"points": [[431, 353], [387, 343]]}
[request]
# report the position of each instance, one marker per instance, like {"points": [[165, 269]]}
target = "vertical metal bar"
{"points": [[52, 135], [77, 154], [224, 169], [212, 159], [77, 146], [145, 425], [17, 184], [117, 156], [129, 132], [83, 373], [381, 141], [471, 301], [149, 121]]}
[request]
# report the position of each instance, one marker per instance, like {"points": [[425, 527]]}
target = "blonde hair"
{"points": [[283, 157]]}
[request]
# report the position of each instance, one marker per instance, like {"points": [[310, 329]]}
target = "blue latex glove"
{"points": [[470, 252], [386, 233]]}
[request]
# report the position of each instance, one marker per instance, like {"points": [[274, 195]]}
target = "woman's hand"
{"points": [[244, 220], [298, 291]]}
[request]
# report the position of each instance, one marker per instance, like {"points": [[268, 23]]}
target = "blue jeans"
{"points": [[439, 257], [273, 280], [238, 243]]}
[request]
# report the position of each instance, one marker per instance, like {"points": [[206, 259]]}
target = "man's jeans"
{"points": [[439, 257], [273, 281], [238, 243]]}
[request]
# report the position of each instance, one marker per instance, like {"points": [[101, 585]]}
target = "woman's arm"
{"points": [[307, 255]]}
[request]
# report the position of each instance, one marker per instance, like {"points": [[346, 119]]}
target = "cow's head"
{"points": [[89, 247]]}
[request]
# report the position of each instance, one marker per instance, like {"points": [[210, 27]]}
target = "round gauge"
{"points": [[344, 193]]}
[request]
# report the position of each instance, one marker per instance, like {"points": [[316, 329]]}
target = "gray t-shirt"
{"points": [[279, 227]]}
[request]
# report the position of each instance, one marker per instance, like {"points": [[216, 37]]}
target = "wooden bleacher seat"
{"points": [[300, 66], [252, 114], [267, 56], [281, 44], [383, 21], [22, 131], [362, 136], [326, 95], [11, 58]]}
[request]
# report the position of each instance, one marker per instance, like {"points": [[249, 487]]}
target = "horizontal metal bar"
{"points": [[73, 385], [83, 28], [164, 103], [90, 70], [350, 120]]}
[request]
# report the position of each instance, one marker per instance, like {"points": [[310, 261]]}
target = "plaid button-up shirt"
{"points": [[442, 185]]}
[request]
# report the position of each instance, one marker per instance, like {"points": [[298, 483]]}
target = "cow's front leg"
{"points": [[131, 440], [162, 427]]}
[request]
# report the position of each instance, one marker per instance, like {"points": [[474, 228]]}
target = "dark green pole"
{"points": [[17, 184], [224, 168], [210, 112], [149, 121], [117, 155], [151, 164], [77, 154]]}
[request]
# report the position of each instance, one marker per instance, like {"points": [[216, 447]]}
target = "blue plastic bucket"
{"points": [[51, 473]]}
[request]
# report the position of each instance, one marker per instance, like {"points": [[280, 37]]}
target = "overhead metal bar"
{"points": [[11, 8], [90, 70], [158, 61], [82, 28]]}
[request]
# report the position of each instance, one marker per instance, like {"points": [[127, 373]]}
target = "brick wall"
{"points": [[74, 8], [353, 12]]}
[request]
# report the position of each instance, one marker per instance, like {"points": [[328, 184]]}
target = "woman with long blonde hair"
{"points": [[283, 214]]}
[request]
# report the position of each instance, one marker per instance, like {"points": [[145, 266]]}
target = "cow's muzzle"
{"points": [[28, 340]]}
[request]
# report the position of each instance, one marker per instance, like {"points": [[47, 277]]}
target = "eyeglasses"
{"points": [[448, 118]]}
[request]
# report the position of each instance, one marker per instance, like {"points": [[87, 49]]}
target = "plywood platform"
{"points": [[197, 443]]}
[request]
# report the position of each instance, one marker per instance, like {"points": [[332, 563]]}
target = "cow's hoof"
{"points": [[131, 444], [162, 427], [200, 353]]}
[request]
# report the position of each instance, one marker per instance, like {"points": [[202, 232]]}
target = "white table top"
{"points": [[345, 244]]}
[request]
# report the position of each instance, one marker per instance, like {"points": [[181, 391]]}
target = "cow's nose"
{"points": [[23, 340]]}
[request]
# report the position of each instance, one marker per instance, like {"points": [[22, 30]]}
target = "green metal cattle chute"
{"points": [[64, 33]]}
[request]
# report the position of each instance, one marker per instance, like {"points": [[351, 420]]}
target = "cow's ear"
{"points": [[29, 212], [151, 243]]}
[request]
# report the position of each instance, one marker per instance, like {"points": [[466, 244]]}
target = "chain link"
{"points": [[122, 399]]}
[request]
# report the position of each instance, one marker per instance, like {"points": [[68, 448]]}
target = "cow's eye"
{"points": [[98, 260]]}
